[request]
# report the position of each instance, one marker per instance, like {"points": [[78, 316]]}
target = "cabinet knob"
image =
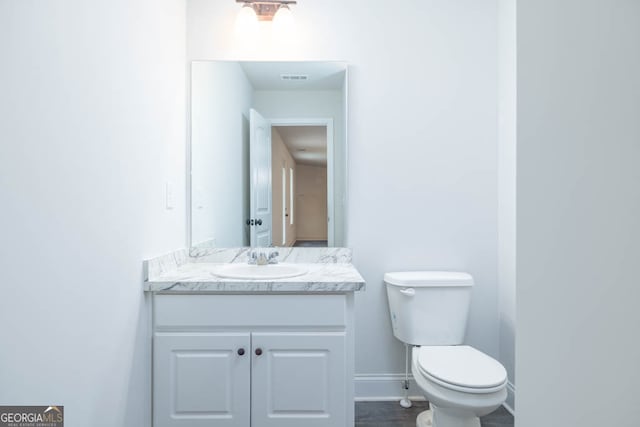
{"points": [[241, 352], [258, 351]]}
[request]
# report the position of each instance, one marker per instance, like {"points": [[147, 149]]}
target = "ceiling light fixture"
{"points": [[266, 10], [246, 21]]}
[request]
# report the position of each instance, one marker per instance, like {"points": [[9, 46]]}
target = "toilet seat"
{"points": [[461, 368]]}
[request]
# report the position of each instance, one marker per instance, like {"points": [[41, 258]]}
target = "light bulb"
{"points": [[247, 20], [283, 17]]}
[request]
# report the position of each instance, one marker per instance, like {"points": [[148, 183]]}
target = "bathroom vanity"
{"points": [[253, 352]]}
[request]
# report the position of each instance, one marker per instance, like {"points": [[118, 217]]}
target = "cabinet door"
{"points": [[199, 379], [298, 380]]}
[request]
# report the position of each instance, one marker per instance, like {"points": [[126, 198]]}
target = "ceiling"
{"points": [[320, 75], [307, 144]]}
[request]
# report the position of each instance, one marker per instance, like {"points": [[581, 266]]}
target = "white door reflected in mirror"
{"points": [[261, 221]]}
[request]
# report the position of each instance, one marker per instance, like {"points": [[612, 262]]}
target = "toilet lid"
{"points": [[461, 366]]}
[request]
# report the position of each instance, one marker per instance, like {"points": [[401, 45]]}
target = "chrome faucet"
{"points": [[258, 257], [252, 257], [273, 257], [262, 259]]}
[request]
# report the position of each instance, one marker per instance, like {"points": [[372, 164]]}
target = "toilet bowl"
{"points": [[460, 383], [429, 311]]}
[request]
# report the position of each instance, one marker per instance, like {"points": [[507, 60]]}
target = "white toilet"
{"points": [[429, 310]]}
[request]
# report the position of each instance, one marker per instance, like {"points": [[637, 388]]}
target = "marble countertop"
{"points": [[181, 272]]}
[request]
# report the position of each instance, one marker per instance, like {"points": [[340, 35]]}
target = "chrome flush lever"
{"points": [[408, 292]]}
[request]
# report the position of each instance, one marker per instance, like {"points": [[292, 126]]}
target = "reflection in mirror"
{"points": [[268, 154]]}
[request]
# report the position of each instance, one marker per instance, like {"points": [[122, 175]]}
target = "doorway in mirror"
{"points": [[301, 182]]}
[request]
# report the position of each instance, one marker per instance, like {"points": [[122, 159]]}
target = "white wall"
{"points": [[422, 144], [300, 104], [507, 188], [92, 124], [577, 213], [220, 103]]}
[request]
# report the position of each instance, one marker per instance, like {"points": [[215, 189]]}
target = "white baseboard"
{"points": [[388, 387], [384, 387], [510, 403]]}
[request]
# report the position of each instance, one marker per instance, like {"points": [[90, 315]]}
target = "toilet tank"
{"points": [[429, 307]]}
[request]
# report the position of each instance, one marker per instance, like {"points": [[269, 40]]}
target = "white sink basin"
{"points": [[258, 272]]}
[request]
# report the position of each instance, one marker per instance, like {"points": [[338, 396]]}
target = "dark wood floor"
{"points": [[310, 243], [391, 414]]}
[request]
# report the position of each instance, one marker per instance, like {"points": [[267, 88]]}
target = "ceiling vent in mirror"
{"points": [[294, 77]]}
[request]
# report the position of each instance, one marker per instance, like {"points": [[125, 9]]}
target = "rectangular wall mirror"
{"points": [[268, 154]]}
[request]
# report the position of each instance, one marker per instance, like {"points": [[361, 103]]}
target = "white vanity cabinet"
{"points": [[253, 360], [200, 379]]}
